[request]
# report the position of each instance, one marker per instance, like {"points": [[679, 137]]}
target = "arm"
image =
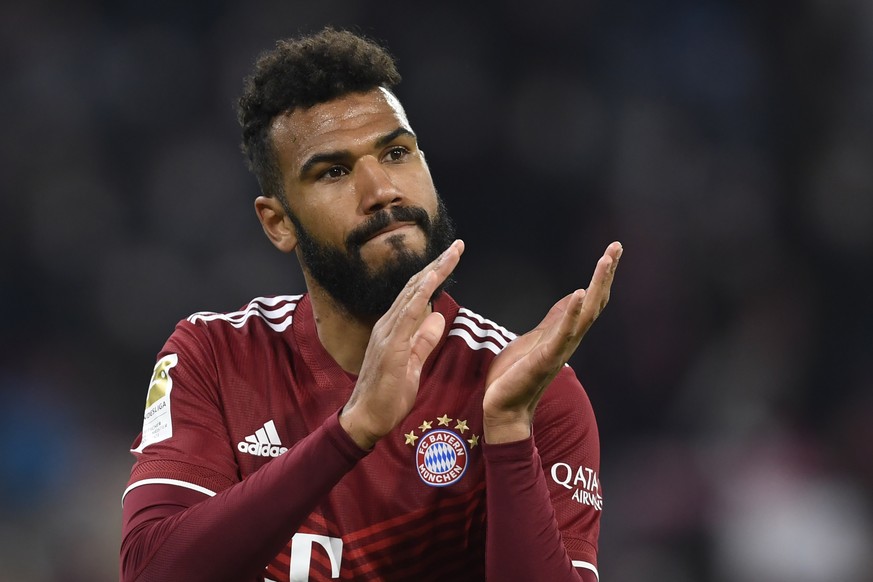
{"points": [[171, 532], [515, 384], [524, 542]]}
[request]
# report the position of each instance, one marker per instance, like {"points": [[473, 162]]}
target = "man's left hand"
{"points": [[520, 374]]}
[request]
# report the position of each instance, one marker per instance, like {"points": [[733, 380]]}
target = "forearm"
{"points": [[523, 541], [233, 535]]}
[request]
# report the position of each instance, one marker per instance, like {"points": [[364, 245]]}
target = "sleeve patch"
{"points": [[157, 424], [583, 482]]}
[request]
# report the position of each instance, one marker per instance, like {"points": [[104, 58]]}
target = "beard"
{"points": [[365, 292]]}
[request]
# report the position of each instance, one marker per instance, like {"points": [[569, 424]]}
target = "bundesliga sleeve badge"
{"points": [[157, 422], [441, 454]]}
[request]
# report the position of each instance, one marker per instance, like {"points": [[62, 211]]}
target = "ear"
{"points": [[277, 226]]}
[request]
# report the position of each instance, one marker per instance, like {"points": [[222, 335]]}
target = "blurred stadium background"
{"points": [[728, 145]]}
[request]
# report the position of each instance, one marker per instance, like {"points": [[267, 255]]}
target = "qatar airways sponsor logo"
{"points": [[582, 481]]}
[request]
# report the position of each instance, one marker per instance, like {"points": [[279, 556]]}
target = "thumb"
{"points": [[424, 341]]}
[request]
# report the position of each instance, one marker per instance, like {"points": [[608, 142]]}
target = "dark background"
{"points": [[728, 145]]}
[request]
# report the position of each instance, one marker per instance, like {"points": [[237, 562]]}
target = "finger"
{"points": [[424, 341], [557, 335], [568, 333], [597, 294], [606, 266], [443, 265], [415, 295], [422, 285]]}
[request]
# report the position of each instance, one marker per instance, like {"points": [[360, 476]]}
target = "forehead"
{"points": [[353, 120]]}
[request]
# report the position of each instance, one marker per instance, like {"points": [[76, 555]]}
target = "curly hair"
{"points": [[300, 73]]}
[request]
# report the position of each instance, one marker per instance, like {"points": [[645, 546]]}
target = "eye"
{"points": [[333, 172], [396, 154]]}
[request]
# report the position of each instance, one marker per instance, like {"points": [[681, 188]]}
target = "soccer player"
{"points": [[369, 429]]}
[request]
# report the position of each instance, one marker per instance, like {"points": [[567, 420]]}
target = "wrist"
{"points": [[497, 432], [356, 429]]}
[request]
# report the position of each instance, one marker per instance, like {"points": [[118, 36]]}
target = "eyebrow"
{"points": [[389, 137], [340, 155]]}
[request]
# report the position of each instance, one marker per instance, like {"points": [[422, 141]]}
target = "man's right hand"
{"points": [[400, 343]]}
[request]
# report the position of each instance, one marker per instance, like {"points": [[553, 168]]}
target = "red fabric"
{"points": [[173, 533], [245, 387], [524, 542]]}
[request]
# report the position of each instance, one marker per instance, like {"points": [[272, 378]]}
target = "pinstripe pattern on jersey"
{"points": [[480, 333], [395, 548], [277, 312]]}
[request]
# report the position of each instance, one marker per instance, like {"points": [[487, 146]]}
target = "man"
{"points": [[370, 429]]}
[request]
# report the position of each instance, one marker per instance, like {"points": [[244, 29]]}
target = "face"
{"points": [[360, 198]]}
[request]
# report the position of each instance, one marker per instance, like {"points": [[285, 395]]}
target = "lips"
{"points": [[386, 221], [391, 228]]}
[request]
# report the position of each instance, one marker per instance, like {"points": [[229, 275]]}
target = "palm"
{"points": [[523, 359], [520, 374]]}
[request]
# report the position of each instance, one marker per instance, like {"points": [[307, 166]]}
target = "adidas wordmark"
{"points": [[264, 443]]}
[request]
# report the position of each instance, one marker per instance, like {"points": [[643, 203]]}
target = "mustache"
{"points": [[383, 218]]}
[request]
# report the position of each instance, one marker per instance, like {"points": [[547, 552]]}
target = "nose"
{"points": [[375, 188]]}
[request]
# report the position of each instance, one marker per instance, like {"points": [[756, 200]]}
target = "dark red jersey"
{"points": [[234, 392]]}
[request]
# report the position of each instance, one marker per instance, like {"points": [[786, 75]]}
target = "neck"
{"points": [[344, 336]]}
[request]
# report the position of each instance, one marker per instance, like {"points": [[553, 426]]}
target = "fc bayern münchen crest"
{"points": [[441, 457], [441, 454]]}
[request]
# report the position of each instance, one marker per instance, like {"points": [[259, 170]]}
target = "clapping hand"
{"points": [[520, 374]]}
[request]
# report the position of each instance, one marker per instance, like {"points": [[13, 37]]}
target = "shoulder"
{"points": [[275, 313], [263, 319], [565, 402]]}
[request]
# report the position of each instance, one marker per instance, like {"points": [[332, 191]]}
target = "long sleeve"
{"points": [[523, 539], [175, 533]]}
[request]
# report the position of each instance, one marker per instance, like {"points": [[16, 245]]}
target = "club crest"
{"points": [[441, 454]]}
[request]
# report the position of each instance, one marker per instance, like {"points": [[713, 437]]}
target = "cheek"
{"points": [[325, 224], [334, 229], [421, 191]]}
